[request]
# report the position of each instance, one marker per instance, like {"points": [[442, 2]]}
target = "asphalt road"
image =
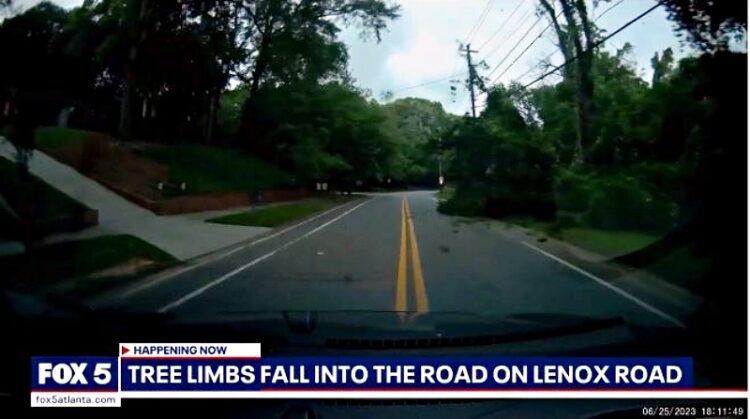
{"points": [[395, 252]]}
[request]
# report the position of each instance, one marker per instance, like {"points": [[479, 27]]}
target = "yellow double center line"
{"points": [[409, 242]]}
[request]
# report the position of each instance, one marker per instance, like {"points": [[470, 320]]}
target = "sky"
{"points": [[421, 46]]}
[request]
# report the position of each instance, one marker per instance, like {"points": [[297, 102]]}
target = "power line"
{"points": [[525, 50], [515, 46], [476, 25], [480, 21], [522, 22], [532, 68], [480, 18], [596, 44], [553, 52], [608, 9], [401, 89], [502, 25]]}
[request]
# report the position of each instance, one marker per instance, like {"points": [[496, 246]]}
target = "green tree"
{"points": [[500, 167], [324, 132], [418, 127], [142, 48], [278, 30], [710, 25], [661, 66], [576, 39], [293, 42]]}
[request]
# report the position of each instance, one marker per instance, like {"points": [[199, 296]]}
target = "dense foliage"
{"points": [[518, 157], [161, 71]]}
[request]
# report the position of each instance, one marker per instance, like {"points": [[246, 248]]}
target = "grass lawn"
{"points": [[445, 193], [50, 138], [204, 169], [682, 266], [605, 242], [279, 214], [55, 262], [215, 170]]}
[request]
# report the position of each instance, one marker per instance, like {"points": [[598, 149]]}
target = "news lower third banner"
{"points": [[216, 370]]}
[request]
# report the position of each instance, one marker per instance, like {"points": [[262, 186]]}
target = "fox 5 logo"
{"points": [[74, 373]]}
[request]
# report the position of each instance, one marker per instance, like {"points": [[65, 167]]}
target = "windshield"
{"points": [[383, 170]]}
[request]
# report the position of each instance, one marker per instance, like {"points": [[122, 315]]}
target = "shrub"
{"points": [[573, 190], [465, 201], [641, 198], [626, 202]]}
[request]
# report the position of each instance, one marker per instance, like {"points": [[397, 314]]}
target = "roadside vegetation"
{"points": [[276, 215], [55, 263], [609, 243], [50, 139], [629, 168], [206, 169], [140, 167]]}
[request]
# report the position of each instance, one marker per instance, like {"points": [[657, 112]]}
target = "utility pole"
{"points": [[472, 78]]}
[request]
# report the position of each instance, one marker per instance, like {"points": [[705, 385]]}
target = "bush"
{"points": [[500, 172], [643, 198], [573, 190], [522, 180], [469, 202], [624, 202]]}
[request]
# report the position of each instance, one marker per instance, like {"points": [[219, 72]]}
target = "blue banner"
{"points": [[405, 373], [74, 373]]}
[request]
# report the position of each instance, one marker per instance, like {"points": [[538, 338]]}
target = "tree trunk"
{"points": [[563, 41], [584, 87], [213, 104], [125, 129], [260, 65], [247, 128]]}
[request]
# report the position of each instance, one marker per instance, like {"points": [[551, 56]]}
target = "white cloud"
{"points": [[424, 57]]}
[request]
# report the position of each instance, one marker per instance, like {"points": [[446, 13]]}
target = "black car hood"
{"points": [[384, 329]]}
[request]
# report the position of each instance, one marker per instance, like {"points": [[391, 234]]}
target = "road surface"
{"points": [[395, 252]]}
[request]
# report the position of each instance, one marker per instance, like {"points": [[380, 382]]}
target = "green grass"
{"points": [[278, 214], [446, 193], [683, 266], [50, 138], [605, 242], [204, 169], [56, 262], [216, 170], [48, 201]]}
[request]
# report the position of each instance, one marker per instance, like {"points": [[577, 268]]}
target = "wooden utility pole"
{"points": [[472, 79]]}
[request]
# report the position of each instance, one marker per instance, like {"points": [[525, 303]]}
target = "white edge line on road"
{"points": [[219, 280], [606, 284], [168, 275]]}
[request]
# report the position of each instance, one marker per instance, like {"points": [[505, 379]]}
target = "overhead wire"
{"points": [[502, 25], [480, 21], [521, 22], [595, 45], [553, 52], [528, 31], [426, 83], [525, 50]]}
